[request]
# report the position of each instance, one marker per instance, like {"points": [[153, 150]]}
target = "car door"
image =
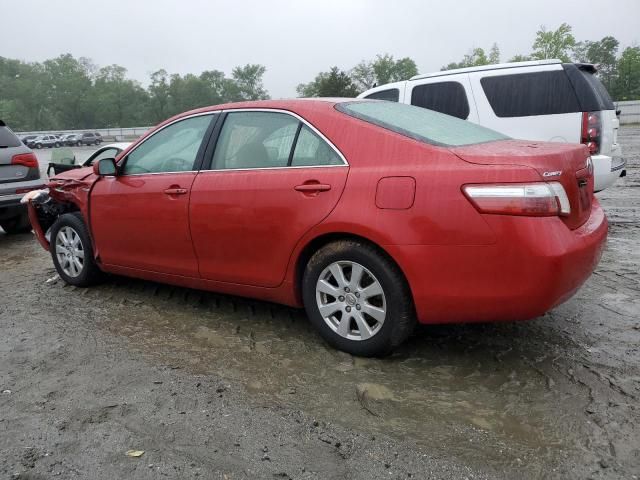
{"points": [[272, 178], [140, 218]]}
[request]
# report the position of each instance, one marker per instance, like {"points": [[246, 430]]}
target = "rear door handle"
{"points": [[175, 191], [312, 187]]}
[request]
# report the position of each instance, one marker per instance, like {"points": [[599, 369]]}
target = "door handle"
{"points": [[312, 187], [175, 191]]}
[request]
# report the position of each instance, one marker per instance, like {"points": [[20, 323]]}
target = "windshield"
{"points": [[420, 124]]}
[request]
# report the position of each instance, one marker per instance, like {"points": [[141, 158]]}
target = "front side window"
{"points": [[172, 149], [391, 95], [444, 97], [527, 94], [106, 153], [420, 124]]}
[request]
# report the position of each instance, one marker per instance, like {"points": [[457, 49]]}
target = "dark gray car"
{"points": [[19, 173]]}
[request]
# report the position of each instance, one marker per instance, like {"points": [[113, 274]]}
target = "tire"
{"points": [[19, 224], [57, 145], [79, 144], [38, 145], [363, 334], [69, 237]]}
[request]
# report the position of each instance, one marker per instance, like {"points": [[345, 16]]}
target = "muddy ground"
{"points": [[211, 386]]}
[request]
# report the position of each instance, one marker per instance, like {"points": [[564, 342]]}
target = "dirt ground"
{"points": [[211, 386]]}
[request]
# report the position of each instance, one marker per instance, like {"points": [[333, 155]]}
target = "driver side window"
{"points": [[172, 149]]}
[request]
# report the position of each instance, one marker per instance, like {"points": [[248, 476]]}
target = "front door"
{"points": [[272, 179], [140, 218]]}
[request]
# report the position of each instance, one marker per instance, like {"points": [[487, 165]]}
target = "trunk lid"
{"points": [[554, 162]]}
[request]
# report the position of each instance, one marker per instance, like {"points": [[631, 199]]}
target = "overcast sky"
{"points": [[294, 39]]}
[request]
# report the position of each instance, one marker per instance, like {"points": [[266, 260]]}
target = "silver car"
{"points": [[19, 173]]}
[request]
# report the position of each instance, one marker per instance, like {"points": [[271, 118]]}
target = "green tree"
{"points": [[494, 54], [474, 58], [159, 95], [248, 79], [627, 85], [382, 70], [120, 101], [553, 43], [69, 90], [520, 58], [334, 83], [603, 53]]}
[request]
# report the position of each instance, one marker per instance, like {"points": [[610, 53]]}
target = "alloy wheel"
{"points": [[351, 300], [70, 251]]}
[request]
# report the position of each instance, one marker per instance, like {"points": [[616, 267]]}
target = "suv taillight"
{"points": [[591, 131], [539, 199], [28, 160]]}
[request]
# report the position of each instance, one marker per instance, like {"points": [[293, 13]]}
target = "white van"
{"points": [[537, 100]]}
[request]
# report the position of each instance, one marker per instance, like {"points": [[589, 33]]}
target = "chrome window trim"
{"points": [[300, 119], [201, 114]]}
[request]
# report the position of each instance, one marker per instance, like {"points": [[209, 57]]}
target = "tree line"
{"points": [[73, 93]]}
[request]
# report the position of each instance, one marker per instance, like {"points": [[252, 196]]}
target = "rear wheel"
{"points": [[57, 145], [72, 251], [19, 224], [357, 298]]}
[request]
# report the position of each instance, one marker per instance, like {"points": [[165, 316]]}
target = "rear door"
{"points": [[272, 178], [140, 218], [534, 103]]}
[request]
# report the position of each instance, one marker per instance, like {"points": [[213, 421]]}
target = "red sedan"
{"points": [[372, 215]]}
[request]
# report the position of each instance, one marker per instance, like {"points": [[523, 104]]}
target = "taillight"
{"points": [[591, 131], [28, 160], [540, 199]]}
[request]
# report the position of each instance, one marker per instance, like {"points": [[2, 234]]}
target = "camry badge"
{"points": [[552, 174]]}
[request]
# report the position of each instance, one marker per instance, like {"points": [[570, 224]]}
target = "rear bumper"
{"points": [[606, 170], [536, 264], [10, 206]]}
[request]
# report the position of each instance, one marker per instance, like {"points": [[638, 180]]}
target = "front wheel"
{"points": [[358, 298], [72, 251]]}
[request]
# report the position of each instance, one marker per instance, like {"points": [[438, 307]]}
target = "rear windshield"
{"points": [[601, 94], [8, 138], [420, 124]]}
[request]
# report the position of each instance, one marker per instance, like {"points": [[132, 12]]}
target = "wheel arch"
{"points": [[319, 241]]}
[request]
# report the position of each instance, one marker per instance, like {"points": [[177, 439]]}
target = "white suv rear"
{"points": [[538, 100]]}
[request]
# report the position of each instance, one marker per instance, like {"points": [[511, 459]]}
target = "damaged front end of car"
{"points": [[62, 195]]}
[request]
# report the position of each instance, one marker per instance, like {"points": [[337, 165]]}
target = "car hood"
{"points": [[76, 174]]}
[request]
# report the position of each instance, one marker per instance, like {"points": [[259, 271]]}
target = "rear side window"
{"points": [[311, 150], [444, 97], [528, 94], [420, 124], [391, 95]]}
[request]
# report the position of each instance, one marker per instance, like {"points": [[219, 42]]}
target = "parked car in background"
{"points": [[369, 214], [537, 100], [88, 138], [41, 141], [19, 173], [71, 140], [25, 139], [98, 137]]}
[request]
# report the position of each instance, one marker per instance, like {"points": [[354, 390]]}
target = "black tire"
{"points": [[79, 144], [38, 145], [57, 145], [90, 274], [19, 224], [400, 312]]}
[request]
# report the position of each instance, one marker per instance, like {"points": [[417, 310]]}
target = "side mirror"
{"points": [[105, 167]]}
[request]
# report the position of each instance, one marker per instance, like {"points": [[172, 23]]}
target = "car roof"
{"points": [[480, 68]]}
